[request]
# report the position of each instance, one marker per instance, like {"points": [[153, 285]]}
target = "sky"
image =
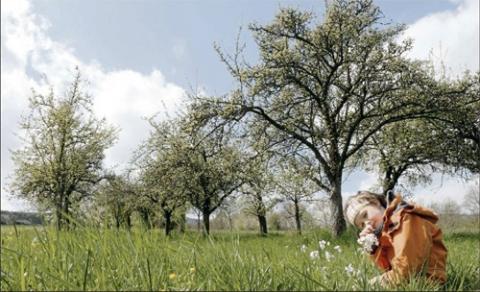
{"points": [[142, 57]]}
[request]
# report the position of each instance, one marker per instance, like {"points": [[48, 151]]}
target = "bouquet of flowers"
{"points": [[368, 242]]}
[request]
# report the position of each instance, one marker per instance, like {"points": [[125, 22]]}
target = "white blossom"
{"points": [[368, 242], [328, 256], [314, 254], [338, 248], [322, 244], [349, 269], [303, 248]]}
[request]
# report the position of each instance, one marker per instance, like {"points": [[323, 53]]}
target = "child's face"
{"points": [[370, 214]]}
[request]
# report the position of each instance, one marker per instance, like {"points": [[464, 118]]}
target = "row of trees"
{"points": [[453, 214], [323, 99]]}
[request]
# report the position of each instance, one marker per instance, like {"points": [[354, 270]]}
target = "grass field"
{"points": [[102, 259]]}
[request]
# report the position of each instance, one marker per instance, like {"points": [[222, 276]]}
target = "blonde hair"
{"points": [[363, 198]]}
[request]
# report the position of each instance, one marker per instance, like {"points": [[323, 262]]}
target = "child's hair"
{"points": [[363, 198]]}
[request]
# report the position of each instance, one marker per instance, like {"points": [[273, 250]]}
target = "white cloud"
{"points": [[370, 183], [123, 97], [443, 188], [451, 37], [119, 92]]}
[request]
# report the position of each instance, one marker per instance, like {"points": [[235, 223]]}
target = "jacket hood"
{"points": [[423, 212], [426, 213]]}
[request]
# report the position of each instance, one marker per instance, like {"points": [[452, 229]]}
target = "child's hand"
{"points": [[367, 230]]}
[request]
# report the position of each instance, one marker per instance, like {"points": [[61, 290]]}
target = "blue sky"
{"points": [[141, 58], [177, 36]]}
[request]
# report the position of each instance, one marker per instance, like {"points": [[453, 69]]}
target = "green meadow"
{"points": [[41, 258]]}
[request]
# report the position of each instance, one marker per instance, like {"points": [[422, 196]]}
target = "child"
{"points": [[409, 242]]}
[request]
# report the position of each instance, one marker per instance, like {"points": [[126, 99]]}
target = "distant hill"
{"points": [[20, 218]]}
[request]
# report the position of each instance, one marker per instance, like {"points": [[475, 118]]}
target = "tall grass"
{"points": [[106, 259]]}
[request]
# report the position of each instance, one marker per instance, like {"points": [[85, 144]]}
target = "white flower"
{"points": [[322, 244], [314, 254], [303, 248], [338, 248], [368, 242], [328, 256], [349, 269]]}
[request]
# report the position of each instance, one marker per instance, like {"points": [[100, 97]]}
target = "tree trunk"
{"points": [[391, 179], [117, 213], [183, 220], [66, 212], [297, 216], [206, 222], [129, 221], [117, 221], [262, 221], [387, 180], [261, 211], [168, 223], [198, 222], [58, 210], [145, 214], [339, 225]]}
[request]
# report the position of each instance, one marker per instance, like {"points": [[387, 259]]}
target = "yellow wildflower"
{"points": [[192, 270], [172, 276]]}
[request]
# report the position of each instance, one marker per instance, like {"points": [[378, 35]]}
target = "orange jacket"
{"points": [[410, 243]]}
